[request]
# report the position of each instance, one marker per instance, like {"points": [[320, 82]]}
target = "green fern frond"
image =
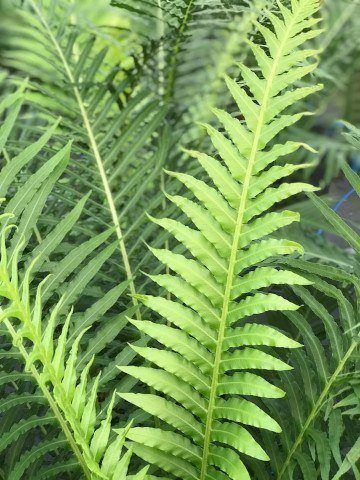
{"points": [[72, 396], [49, 345], [193, 44], [35, 453], [204, 367], [113, 122], [312, 439], [328, 375]]}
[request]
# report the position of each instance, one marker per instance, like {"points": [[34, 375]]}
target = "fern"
{"points": [[47, 345], [108, 143], [313, 440], [325, 417], [203, 360], [194, 43], [339, 69], [202, 397], [115, 125], [71, 403]]}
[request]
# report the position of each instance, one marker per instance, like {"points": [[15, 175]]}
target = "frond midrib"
{"points": [[234, 250], [98, 158], [316, 409]]}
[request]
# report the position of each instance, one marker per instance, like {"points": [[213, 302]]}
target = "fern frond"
{"points": [[35, 453], [114, 124], [49, 344], [208, 340], [329, 375], [194, 44], [71, 399], [324, 379]]}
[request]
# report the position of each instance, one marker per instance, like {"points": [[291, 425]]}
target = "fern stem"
{"points": [[161, 64], [316, 409], [51, 401], [234, 250], [98, 158], [161, 53]]}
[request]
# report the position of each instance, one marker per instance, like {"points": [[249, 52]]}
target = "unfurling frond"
{"points": [[204, 375]]}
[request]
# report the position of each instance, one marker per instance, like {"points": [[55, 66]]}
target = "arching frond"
{"points": [[115, 123]]}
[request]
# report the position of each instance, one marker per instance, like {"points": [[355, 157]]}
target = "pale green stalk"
{"points": [[97, 156]]}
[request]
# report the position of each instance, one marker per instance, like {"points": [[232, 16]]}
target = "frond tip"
{"points": [[210, 344]]}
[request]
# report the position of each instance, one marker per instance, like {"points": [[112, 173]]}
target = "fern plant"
{"points": [[111, 121], [72, 402], [319, 418], [326, 420], [193, 43], [208, 338], [118, 148], [43, 334], [214, 353]]}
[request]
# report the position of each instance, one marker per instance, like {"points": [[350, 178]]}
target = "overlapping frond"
{"points": [[211, 343], [195, 43], [327, 375], [118, 149], [115, 122], [327, 416], [41, 339]]}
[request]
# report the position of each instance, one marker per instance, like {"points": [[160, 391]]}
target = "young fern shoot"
{"points": [[72, 396], [210, 338]]}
